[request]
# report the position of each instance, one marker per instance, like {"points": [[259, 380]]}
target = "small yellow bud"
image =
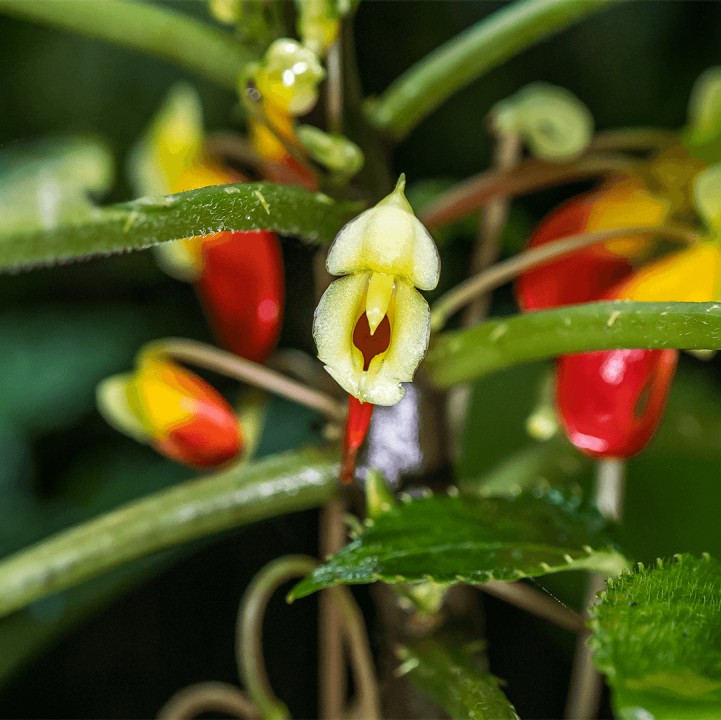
{"points": [[288, 77]]}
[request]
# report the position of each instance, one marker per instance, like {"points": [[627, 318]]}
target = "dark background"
{"points": [[62, 329]]}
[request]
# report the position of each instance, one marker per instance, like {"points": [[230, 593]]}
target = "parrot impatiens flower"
{"points": [[172, 409], [238, 275], [610, 402], [372, 326]]}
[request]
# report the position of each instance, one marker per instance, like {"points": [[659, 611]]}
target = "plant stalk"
{"points": [[507, 270]]}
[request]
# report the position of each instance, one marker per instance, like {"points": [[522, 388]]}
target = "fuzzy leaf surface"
{"points": [[451, 678], [657, 636], [456, 539], [141, 223]]}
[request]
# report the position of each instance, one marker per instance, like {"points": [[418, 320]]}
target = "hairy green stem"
{"points": [[254, 491], [152, 29], [466, 57], [467, 355]]}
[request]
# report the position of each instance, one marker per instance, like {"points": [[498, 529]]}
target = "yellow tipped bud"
{"points": [[380, 290]]}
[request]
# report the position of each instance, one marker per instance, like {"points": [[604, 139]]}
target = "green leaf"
{"points": [[46, 183], [450, 677], [465, 355], [455, 539], [147, 27], [139, 224], [466, 57], [247, 493], [657, 636]]}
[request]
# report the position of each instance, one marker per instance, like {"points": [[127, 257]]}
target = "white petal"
{"points": [[333, 326]]}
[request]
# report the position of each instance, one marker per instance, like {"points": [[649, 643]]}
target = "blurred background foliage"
{"points": [[62, 329]]}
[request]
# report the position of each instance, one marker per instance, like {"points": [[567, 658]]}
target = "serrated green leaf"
{"points": [[139, 224], [451, 678], [657, 636], [456, 539]]}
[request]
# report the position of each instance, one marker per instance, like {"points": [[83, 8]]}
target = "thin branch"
{"points": [[332, 669], [208, 697], [584, 695], [634, 139], [334, 86], [472, 194], [249, 640], [507, 270], [506, 154], [527, 598], [220, 361]]}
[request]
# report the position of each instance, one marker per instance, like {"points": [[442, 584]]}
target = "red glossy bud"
{"points": [[241, 286], [580, 277], [610, 402], [356, 427]]}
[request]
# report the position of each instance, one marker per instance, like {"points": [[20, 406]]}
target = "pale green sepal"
{"points": [[252, 411], [556, 125], [707, 195], [45, 184], [378, 497], [387, 239], [704, 109], [111, 396]]}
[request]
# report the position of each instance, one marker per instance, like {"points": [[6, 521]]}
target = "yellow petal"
{"points": [[387, 239], [692, 275], [335, 320], [627, 204], [173, 143]]}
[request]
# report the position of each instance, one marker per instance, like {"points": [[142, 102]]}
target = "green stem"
{"points": [[283, 483], [152, 29], [466, 57], [467, 355], [141, 223]]}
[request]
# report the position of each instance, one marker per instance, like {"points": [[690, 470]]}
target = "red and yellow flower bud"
{"points": [[237, 275], [172, 409], [585, 275], [611, 402]]}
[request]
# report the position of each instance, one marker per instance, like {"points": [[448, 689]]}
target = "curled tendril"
{"points": [[206, 697], [249, 640], [556, 125]]}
